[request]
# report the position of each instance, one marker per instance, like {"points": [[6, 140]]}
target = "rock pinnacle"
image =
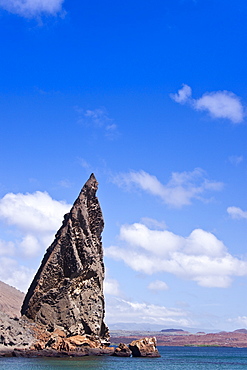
{"points": [[67, 290]]}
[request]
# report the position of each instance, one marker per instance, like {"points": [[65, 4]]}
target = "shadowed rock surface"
{"points": [[67, 291]]}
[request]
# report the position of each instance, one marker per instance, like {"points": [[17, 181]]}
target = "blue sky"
{"points": [[151, 97]]}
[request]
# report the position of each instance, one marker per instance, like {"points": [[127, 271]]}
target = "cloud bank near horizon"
{"points": [[219, 104], [121, 310]]}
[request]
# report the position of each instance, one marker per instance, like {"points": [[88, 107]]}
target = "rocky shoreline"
{"points": [[21, 337], [22, 352], [80, 346]]}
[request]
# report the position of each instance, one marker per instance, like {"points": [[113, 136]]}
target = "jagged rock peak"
{"points": [[67, 291], [90, 188]]}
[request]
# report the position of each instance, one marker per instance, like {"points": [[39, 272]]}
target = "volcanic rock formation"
{"points": [[145, 347], [67, 291]]}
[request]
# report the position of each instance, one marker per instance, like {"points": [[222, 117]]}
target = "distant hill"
{"points": [[145, 327], [238, 338], [173, 331], [244, 331], [10, 300]]}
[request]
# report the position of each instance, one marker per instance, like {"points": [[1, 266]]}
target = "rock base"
{"points": [[52, 353], [23, 338]]}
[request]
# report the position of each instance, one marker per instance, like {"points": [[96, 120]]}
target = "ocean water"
{"points": [[172, 358]]}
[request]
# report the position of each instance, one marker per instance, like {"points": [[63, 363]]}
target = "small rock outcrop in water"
{"points": [[122, 351], [67, 291], [145, 347]]}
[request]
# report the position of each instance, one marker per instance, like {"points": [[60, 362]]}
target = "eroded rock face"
{"points": [[145, 347], [67, 291]]}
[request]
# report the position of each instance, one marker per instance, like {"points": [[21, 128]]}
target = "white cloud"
{"points": [[111, 131], [65, 183], [32, 8], [36, 212], [98, 118], [240, 320], [236, 159], [15, 274], [179, 191], [7, 248], [200, 257], [111, 287], [157, 285], [36, 217], [30, 245], [183, 94], [219, 104], [124, 311], [83, 163], [236, 212], [153, 224], [138, 235]]}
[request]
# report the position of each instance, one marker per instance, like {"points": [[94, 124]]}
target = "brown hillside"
{"points": [[10, 300]]}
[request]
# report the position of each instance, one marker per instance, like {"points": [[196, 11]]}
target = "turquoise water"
{"points": [[173, 358]]}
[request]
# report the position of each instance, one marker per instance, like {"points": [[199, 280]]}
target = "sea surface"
{"points": [[186, 358]]}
